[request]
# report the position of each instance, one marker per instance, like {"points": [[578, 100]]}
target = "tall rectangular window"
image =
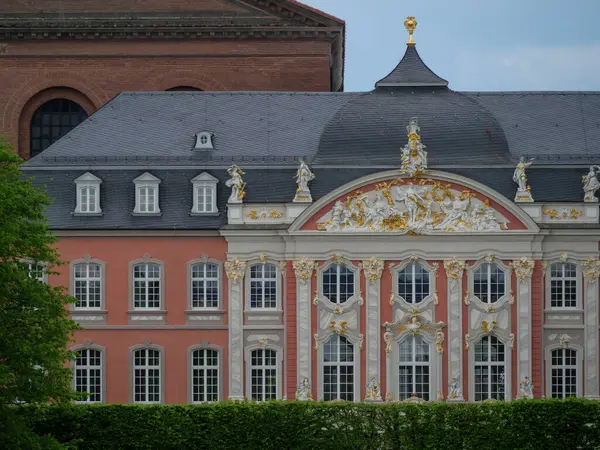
{"points": [[147, 196], [563, 373], [205, 198], [263, 286], [563, 285], [413, 283], [146, 376], [88, 283], [338, 283], [490, 369], [413, 368], [205, 286], [88, 201], [338, 369], [88, 374], [263, 374], [205, 376], [146, 286]]}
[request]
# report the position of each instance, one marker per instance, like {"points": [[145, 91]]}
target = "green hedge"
{"points": [[525, 424]]}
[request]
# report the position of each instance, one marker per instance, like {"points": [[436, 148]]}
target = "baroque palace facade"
{"points": [[408, 243]]}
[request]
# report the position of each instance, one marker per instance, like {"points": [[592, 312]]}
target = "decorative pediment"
{"points": [[413, 206]]}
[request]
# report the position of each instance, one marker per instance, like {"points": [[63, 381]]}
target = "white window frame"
{"points": [[34, 270], [207, 182], [481, 303], [578, 286], [147, 367], [490, 364], [89, 346], [204, 140], [278, 361], [262, 280], [204, 278], [413, 364], [488, 281], [147, 279], [356, 343], [88, 368], [578, 372], [147, 181], [205, 347], [87, 280], [328, 303], [87, 182]]}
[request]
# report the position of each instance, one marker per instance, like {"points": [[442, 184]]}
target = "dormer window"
{"points": [[146, 195], [88, 195], [204, 194], [204, 140]]}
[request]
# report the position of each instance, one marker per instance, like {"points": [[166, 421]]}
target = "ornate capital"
{"points": [[303, 268], [523, 268], [591, 269], [235, 269], [454, 268], [373, 269]]}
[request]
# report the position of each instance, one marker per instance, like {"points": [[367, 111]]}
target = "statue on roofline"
{"points": [[520, 177], [414, 156], [303, 176], [591, 184], [236, 183]]}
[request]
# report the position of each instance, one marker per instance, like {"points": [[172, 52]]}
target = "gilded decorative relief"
{"points": [[400, 205], [235, 269], [523, 268], [591, 269], [303, 268]]}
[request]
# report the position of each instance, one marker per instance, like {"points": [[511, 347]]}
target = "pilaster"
{"points": [[523, 268], [235, 269], [454, 271], [373, 269], [591, 270], [303, 269]]}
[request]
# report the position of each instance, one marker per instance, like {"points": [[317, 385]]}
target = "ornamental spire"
{"points": [[410, 23]]}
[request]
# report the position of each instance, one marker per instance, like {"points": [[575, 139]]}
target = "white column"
{"points": [[235, 270], [373, 269], [523, 270], [591, 271], [454, 271], [303, 270]]}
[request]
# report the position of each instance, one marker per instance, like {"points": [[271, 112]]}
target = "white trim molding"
{"points": [[89, 345], [147, 345], [89, 185], [263, 344], [591, 271], [209, 183], [579, 364], [373, 269], [205, 345], [147, 181], [235, 270], [454, 271]]}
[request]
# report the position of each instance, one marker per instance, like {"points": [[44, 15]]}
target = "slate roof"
{"points": [[344, 136]]}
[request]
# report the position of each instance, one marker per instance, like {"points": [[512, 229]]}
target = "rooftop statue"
{"points": [[520, 177], [591, 184], [414, 156], [303, 176], [236, 183]]}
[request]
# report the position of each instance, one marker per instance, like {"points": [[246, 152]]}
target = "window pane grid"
{"points": [[489, 283], [87, 286], [87, 199], [146, 286], [413, 283], [563, 373], [204, 198], [263, 286], [338, 369], [489, 369], [563, 285], [88, 374], [413, 368], [205, 376], [338, 283], [147, 198], [263, 374], [146, 376], [205, 286]]}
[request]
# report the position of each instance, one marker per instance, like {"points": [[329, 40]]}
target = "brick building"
{"points": [[73, 56], [210, 263]]}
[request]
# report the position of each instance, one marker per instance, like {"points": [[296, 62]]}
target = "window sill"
{"points": [[84, 214], [89, 316], [266, 316], [204, 316], [147, 317], [141, 214]]}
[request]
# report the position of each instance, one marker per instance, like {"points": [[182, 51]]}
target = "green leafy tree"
{"points": [[35, 329]]}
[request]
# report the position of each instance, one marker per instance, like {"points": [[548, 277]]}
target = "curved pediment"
{"points": [[437, 202]]}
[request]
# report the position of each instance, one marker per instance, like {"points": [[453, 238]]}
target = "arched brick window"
{"points": [[53, 120]]}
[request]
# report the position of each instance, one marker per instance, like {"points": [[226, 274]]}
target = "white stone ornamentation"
{"points": [[591, 269], [303, 176], [387, 337], [454, 268], [591, 185], [523, 268], [520, 177], [373, 268], [525, 388], [439, 341], [303, 391], [339, 327], [235, 269], [236, 183], [454, 391], [401, 206], [414, 156], [373, 391], [303, 268]]}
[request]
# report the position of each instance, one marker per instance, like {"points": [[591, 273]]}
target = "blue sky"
{"points": [[477, 45]]}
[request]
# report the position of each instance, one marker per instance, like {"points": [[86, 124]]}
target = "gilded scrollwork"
{"points": [[454, 268], [467, 341], [439, 341], [373, 269], [303, 269], [235, 269], [591, 269], [523, 268], [512, 341]]}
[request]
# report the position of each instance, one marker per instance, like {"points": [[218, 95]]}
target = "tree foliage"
{"points": [[35, 328]]}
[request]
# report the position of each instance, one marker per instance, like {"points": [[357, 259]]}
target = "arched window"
{"points": [[413, 283], [205, 375], [564, 373], [338, 369], [563, 285], [413, 368], [205, 286], [490, 369], [88, 374], [338, 283], [146, 376], [88, 285], [53, 120], [263, 374], [489, 283]]}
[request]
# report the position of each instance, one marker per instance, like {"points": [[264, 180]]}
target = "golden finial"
{"points": [[410, 24]]}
